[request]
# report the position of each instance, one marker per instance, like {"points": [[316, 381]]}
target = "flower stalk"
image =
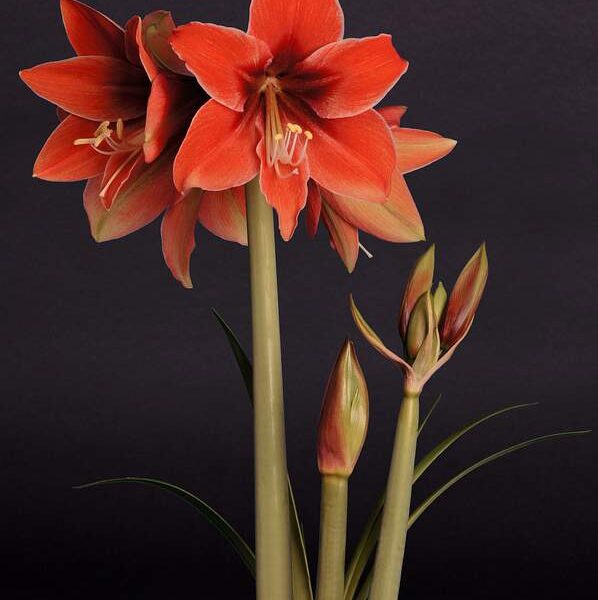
{"points": [[272, 533], [395, 519], [333, 533]]}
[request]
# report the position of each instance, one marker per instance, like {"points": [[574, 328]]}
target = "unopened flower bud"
{"points": [[439, 301], [344, 418], [423, 341], [157, 30], [419, 282], [464, 299]]}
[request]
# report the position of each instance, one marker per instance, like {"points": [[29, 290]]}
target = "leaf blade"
{"points": [[229, 533]]}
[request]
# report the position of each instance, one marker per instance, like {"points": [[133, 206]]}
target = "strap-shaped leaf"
{"points": [[424, 464], [429, 414], [417, 513], [302, 588], [369, 539], [216, 520], [241, 357]]}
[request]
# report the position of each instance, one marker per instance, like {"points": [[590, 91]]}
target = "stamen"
{"points": [[366, 251], [104, 134]]}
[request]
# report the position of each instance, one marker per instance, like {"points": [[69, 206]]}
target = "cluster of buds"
{"points": [[344, 418], [431, 323]]}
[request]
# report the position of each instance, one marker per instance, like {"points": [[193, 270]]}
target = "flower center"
{"points": [[111, 140], [286, 146]]}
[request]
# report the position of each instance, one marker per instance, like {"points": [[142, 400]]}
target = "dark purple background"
{"points": [[110, 368]]}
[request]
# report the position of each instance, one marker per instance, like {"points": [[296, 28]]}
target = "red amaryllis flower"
{"points": [[125, 101], [291, 100], [397, 218]]}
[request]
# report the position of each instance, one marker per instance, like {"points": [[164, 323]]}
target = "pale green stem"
{"points": [[333, 534], [272, 545], [393, 533]]}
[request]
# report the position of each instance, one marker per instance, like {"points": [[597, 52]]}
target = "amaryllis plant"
{"points": [[211, 124]]}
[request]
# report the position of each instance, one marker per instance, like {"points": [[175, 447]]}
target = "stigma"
{"points": [[286, 147]]}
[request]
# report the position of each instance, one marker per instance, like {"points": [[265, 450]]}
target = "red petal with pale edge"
{"points": [[314, 208], [287, 194], [344, 237], [61, 160], [464, 299], [131, 45], [354, 156], [226, 61], [293, 29], [171, 105], [417, 148], [148, 191], [118, 170], [219, 150], [90, 32], [224, 214], [395, 220], [393, 114], [345, 78], [178, 235], [93, 87]]}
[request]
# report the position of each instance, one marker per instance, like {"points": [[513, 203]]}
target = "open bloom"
{"points": [[291, 100], [124, 102], [397, 218], [431, 323]]}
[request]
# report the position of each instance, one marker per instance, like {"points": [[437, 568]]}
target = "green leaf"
{"points": [[424, 464], [441, 490], [241, 357], [369, 538], [302, 588], [429, 414], [217, 521], [364, 591]]}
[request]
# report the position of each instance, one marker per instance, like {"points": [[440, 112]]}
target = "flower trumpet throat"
{"points": [[344, 417]]}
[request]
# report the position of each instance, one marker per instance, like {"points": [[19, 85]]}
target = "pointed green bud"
{"points": [[418, 327], [419, 282], [157, 28], [465, 299], [439, 301], [429, 348], [344, 418]]}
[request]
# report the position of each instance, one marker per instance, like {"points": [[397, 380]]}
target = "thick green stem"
{"points": [[393, 533], [273, 563], [333, 534]]}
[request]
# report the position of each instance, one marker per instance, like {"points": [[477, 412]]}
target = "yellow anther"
{"points": [[120, 128], [278, 137], [298, 129], [308, 134]]}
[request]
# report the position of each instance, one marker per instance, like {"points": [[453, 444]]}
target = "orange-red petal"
{"points": [[224, 214], [394, 220], [171, 104], [118, 170], [393, 114], [225, 61], [90, 32], [344, 237], [178, 235], [286, 194], [348, 77], [147, 192], [93, 87], [219, 150], [156, 33], [353, 156], [313, 208], [293, 29], [61, 160], [417, 148]]}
